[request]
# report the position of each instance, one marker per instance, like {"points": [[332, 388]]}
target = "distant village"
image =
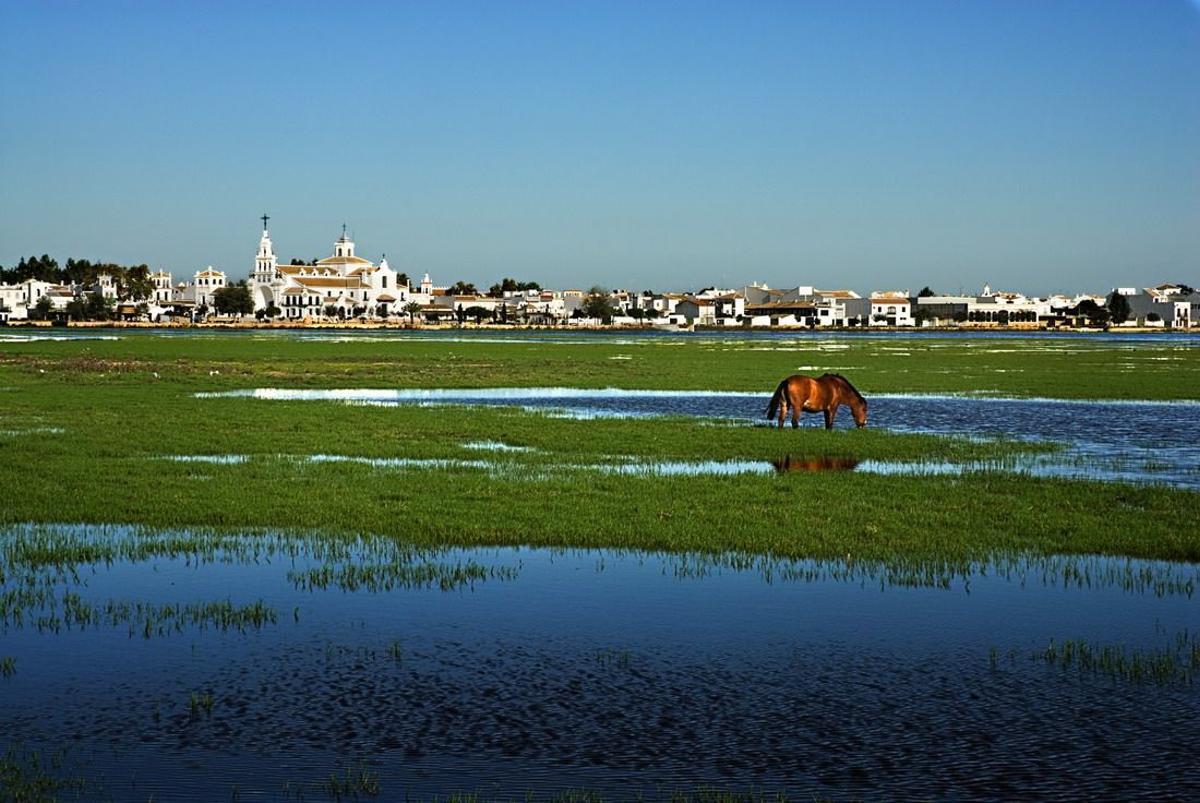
{"points": [[345, 288]]}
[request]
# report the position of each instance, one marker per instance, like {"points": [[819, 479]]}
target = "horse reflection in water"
{"points": [[790, 463], [803, 394]]}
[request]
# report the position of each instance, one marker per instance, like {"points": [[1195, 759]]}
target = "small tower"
{"points": [[265, 262], [344, 247], [426, 285], [265, 266]]}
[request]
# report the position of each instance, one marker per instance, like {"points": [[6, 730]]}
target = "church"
{"points": [[342, 284]]}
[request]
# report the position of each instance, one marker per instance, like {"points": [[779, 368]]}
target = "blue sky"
{"points": [[1035, 144]]}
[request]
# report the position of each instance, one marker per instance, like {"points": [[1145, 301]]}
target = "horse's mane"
{"points": [[847, 383]]}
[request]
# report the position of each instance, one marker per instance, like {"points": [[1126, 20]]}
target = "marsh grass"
{"points": [[352, 781], [8, 666], [386, 577], [30, 776], [610, 657], [200, 704], [1176, 663], [96, 473], [395, 650], [148, 619]]}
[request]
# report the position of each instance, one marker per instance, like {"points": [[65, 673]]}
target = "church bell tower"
{"points": [[264, 263]]}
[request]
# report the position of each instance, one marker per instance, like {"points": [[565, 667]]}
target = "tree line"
{"points": [[133, 281]]}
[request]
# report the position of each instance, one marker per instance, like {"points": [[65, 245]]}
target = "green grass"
{"points": [[1038, 365], [118, 421]]}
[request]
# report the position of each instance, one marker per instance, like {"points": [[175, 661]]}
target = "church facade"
{"points": [[342, 284]]}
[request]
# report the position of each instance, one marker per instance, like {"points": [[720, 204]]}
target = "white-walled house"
{"points": [[199, 291], [891, 308], [21, 298]]}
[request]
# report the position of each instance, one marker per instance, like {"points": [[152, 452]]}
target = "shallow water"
{"points": [[1132, 441], [574, 336], [507, 670]]}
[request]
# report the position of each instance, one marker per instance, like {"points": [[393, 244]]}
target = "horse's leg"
{"points": [[796, 411], [782, 410], [830, 412]]}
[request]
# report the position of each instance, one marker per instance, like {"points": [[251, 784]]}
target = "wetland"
{"points": [[300, 566]]}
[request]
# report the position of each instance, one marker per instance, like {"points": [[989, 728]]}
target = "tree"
{"points": [[478, 313], [926, 292], [598, 304], [42, 308], [233, 300], [1118, 307], [412, 308], [134, 283], [1096, 315], [402, 280], [330, 311], [510, 285], [461, 288]]}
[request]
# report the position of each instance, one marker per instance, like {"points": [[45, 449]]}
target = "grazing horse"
{"points": [[803, 394]]}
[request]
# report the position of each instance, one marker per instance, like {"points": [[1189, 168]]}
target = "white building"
{"points": [[891, 308], [20, 299], [199, 291]]}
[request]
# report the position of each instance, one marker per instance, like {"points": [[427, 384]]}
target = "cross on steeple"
{"points": [[265, 218], [343, 231]]}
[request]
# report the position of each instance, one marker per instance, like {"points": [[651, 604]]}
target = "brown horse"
{"points": [[803, 394]]}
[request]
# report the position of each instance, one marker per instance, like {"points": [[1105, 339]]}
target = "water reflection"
{"points": [[510, 669], [789, 463]]}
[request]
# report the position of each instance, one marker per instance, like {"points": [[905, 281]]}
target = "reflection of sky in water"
{"points": [[1119, 440], [617, 671]]}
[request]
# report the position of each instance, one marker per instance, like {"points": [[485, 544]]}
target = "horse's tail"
{"points": [[778, 397]]}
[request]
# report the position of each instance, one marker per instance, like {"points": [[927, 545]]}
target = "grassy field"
{"points": [[85, 427], [1039, 365]]}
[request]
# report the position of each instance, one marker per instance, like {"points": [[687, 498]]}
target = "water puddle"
{"points": [[14, 433], [496, 446], [181, 665], [1127, 441], [12, 338]]}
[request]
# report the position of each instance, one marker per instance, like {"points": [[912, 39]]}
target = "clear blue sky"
{"points": [[1035, 144]]}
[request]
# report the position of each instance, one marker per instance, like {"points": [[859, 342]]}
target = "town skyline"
{"points": [[1045, 146], [482, 283]]}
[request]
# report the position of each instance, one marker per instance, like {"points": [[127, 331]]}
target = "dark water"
{"points": [[1155, 442], [509, 670]]}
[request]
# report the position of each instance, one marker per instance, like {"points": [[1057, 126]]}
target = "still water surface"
{"points": [[507, 670], [1147, 441]]}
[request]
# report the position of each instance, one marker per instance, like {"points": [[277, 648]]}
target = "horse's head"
{"points": [[859, 410]]}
